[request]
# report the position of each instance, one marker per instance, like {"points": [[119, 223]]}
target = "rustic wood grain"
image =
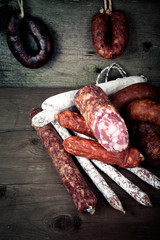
{"points": [[34, 205], [75, 62]]}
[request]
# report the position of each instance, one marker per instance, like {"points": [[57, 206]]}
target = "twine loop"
{"points": [[108, 69]]}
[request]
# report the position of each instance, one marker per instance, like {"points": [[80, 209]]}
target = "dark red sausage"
{"points": [[102, 118], [74, 182], [144, 110], [135, 91], [16, 28], [146, 137], [88, 148], [110, 34], [74, 122]]}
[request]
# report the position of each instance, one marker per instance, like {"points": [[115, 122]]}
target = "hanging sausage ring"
{"points": [[110, 32], [18, 24]]}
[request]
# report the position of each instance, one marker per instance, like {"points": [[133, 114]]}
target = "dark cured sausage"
{"points": [[144, 110], [16, 27], [110, 33], [102, 118], [88, 148], [74, 182], [74, 122], [146, 137], [135, 91]]}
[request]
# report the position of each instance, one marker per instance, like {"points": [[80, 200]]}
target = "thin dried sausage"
{"points": [[144, 110], [135, 91], [73, 121], [110, 33], [33, 26], [88, 148], [101, 117], [72, 179]]}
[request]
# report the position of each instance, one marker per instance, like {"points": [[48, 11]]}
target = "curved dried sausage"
{"points": [[110, 33], [31, 59], [74, 122], [135, 91], [88, 148], [144, 110]]}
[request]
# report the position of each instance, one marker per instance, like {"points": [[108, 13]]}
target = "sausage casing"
{"points": [[135, 91], [73, 121], [88, 148], [144, 110], [146, 137], [33, 26], [102, 118], [72, 179], [110, 34]]}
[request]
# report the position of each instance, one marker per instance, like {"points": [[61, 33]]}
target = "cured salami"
{"points": [[73, 180], [101, 117]]}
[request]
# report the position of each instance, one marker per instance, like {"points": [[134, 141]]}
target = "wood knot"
{"points": [[3, 190], [147, 46], [63, 223], [34, 141]]}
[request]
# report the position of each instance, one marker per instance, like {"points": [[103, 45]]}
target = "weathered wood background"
{"points": [[34, 204], [75, 62]]}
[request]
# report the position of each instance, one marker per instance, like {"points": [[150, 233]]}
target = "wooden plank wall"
{"points": [[75, 62]]}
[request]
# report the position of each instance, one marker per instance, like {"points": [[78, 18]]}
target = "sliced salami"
{"points": [[101, 117]]}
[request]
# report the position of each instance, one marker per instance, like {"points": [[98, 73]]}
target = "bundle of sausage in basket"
{"points": [[113, 123]]}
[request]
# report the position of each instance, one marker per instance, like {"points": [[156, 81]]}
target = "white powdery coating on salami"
{"points": [[92, 172], [133, 190], [146, 176], [110, 130]]}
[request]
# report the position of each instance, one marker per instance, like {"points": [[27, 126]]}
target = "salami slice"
{"points": [[102, 118]]}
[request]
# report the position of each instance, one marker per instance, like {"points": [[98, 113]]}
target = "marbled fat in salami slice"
{"points": [[102, 118]]}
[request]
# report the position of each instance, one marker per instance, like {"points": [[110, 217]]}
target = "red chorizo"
{"points": [[135, 91], [102, 118], [144, 110], [72, 179], [146, 137], [88, 148], [73, 121], [33, 26], [110, 33]]}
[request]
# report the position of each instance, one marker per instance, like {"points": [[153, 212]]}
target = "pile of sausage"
{"points": [[100, 120], [106, 137]]}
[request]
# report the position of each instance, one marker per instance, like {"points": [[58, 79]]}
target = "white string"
{"points": [[20, 3], [108, 68]]}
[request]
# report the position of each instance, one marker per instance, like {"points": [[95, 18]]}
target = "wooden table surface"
{"points": [[34, 205]]}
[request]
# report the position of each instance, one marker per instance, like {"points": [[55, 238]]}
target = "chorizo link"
{"points": [[144, 110], [73, 121], [135, 91], [110, 33], [16, 28], [74, 182], [101, 117], [88, 148]]}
